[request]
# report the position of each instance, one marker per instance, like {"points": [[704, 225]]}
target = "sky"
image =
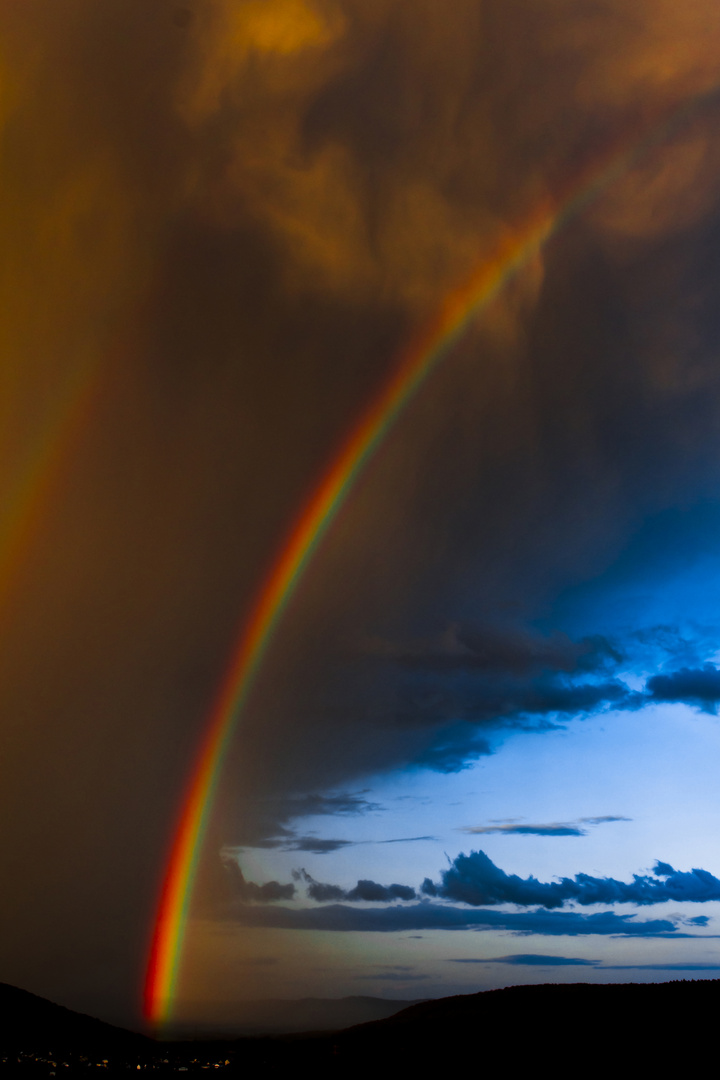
{"points": [[482, 742]]}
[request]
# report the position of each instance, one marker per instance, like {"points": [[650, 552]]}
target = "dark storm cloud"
{"points": [[453, 750], [445, 719], [272, 818], [530, 960], [693, 686], [474, 879], [563, 828], [428, 916], [507, 701], [440, 704], [506, 650], [536, 685], [371, 163], [496, 705], [502, 675]]}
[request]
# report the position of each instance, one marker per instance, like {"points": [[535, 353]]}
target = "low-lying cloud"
{"points": [[365, 890], [475, 879], [699, 687], [248, 892], [429, 916], [541, 960], [528, 960]]}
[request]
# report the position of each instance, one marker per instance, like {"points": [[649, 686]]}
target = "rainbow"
{"points": [[510, 254], [311, 526], [27, 500]]}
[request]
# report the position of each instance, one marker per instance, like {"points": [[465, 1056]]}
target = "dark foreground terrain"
{"points": [[282, 1017], [577, 1027]]}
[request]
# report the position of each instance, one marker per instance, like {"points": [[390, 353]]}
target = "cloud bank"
{"points": [[428, 916], [699, 687], [368, 891], [474, 879]]}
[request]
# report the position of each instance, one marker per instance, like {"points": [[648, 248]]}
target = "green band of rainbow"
{"points": [[496, 269]]}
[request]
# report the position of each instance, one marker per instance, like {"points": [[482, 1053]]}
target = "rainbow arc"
{"points": [[497, 267]]}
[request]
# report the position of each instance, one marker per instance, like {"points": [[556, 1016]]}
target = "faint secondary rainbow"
{"points": [[28, 496], [501, 263]]}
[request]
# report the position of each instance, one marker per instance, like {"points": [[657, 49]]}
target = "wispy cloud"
{"points": [[555, 828], [399, 840], [313, 804], [529, 960], [542, 960], [315, 844], [287, 840], [661, 967]]}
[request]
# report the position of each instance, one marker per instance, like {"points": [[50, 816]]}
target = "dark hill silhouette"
{"points": [[25, 1018], [578, 1026], [583, 1025]]}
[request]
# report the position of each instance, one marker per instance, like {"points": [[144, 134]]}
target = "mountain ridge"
{"points": [[613, 1022]]}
